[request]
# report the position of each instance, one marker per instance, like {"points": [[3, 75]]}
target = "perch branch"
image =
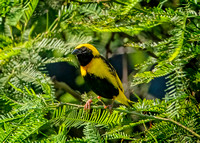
{"points": [[68, 89], [141, 115]]}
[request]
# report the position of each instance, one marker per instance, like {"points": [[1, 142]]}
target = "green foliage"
{"points": [[91, 133], [72, 117], [30, 38]]}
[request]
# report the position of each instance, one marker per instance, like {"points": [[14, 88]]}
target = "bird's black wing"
{"points": [[101, 86], [114, 73]]}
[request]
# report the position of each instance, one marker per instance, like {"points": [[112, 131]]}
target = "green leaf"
{"points": [[14, 16]]}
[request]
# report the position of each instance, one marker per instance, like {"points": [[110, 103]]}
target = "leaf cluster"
{"points": [[31, 113]]}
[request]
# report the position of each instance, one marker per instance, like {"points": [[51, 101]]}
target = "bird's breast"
{"points": [[101, 70], [83, 71], [97, 67]]}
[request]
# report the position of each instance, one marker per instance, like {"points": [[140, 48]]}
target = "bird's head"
{"points": [[85, 53]]}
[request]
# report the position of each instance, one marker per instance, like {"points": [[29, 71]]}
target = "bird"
{"points": [[100, 75]]}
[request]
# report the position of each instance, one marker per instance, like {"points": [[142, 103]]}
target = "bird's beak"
{"points": [[76, 52]]}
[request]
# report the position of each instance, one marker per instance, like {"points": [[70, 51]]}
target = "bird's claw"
{"points": [[109, 107], [98, 97], [87, 105]]}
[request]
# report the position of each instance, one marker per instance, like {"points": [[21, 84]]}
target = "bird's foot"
{"points": [[99, 98], [87, 105], [109, 107]]}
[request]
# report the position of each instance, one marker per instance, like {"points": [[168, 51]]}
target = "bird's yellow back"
{"points": [[100, 74], [99, 68]]}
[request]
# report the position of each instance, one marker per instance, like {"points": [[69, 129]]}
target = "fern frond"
{"points": [[63, 47], [93, 10], [120, 135], [5, 131], [92, 134], [159, 70], [124, 127], [74, 117], [156, 106], [133, 30], [29, 9], [77, 140], [128, 5], [5, 55], [5, 41], [26, 129]]}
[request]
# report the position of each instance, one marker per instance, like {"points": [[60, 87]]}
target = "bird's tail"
{"points": [[124, 100], [130, 103]]}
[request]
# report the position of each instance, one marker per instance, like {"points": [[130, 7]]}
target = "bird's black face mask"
{"points": [[84, 55]]}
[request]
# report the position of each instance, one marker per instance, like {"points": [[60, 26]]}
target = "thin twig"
{"points": [[107, 47], [179, 124], [68, 89], [149, 132], [141, 115]]}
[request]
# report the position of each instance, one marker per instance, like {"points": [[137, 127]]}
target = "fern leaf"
{"points": [[78, 117], [120, 135], [91, 133], [29, 9], [159, 70], [124, 127]]}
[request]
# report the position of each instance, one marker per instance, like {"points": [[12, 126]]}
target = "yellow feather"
{"points": [[95, 52], [83, 71], [99, 68], [122, 99]]}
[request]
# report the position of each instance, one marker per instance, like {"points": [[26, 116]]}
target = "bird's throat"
{"points": [[84, 59], [83, 71]]}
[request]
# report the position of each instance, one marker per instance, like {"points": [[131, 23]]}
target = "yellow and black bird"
{"points": [[99, 74]]}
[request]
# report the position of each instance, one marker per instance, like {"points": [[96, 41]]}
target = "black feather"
{"points": [[101, 86]]}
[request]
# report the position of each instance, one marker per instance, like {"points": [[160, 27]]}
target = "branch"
{"points": [[143, 49], [162, 119], [141, 115], [108, 50], [179, 124], [68, 89]]}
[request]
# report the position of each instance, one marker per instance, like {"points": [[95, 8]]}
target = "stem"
{"points": [[107, 47], [149, 132], [47, 24], [11, 34], [66, 87], [179, 124], [141, 115], [180, 42]]}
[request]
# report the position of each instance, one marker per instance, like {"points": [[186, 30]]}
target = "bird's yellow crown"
{"points": [[95, 52]]}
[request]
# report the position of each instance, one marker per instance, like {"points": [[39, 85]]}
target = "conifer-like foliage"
{"points": [[34, 33]]}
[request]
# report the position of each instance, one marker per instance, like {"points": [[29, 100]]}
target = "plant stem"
{"points": [[179, 124], [141, 115], [149, 132]]}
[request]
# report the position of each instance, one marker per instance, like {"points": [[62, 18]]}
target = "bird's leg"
{"points": [[87, 105], [150, 123], [110, 106], [99, 98]]}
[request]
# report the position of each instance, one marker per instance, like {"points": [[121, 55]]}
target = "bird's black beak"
{"points": [[76, 52]]}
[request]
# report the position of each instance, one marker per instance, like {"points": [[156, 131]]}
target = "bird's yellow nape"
{"points": [[95, 52]]}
